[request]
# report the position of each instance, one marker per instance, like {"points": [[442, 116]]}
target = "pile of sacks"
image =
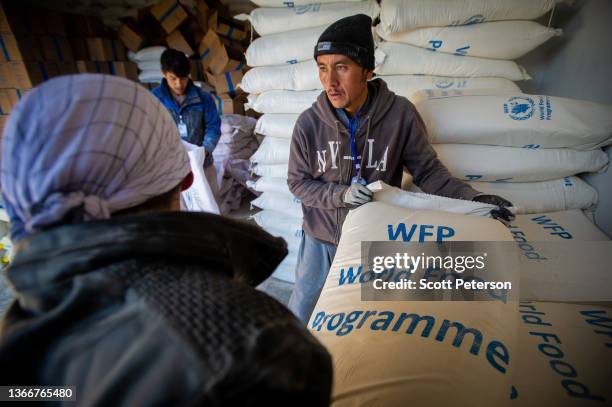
{"points": [[458, 45], [526, 148], [490, 352], [149, 65], [282, 83], [236, 144]]}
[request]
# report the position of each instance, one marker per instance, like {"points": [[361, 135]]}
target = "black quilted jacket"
{"points": [[158, 310]]}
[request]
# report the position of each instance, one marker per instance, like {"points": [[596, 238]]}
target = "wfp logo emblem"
{"points": [[519, 107], [444, 83]]}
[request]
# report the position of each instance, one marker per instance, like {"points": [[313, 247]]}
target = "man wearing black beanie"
{"points": [[357, 132]]}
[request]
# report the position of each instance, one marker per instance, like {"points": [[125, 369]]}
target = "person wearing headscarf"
{"points": [[117, 293]]}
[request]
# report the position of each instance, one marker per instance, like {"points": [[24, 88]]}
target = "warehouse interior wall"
{"points": [[578, 65]]}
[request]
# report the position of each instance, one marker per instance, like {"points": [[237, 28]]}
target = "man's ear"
{"points": [[187, 182], [369, 75]]}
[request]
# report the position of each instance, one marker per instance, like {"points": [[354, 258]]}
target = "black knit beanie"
{"points": [[350, 36]]}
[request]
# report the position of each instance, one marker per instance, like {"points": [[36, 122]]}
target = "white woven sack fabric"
{"points": [[407, 85], [300, 76], [296, 3], [276, 125], [514, 119], [269, 184], [146, 54], [282, 101], [544, 196], [154, 76], [271, 170], [404, 59], [273, 150], [285, 204], [492, 163], [497, 39], [403, 15], [421, 201], [272, 20], [284, 48]]}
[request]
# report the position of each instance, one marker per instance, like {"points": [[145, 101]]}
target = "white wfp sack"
{"points": [[282, 203], [199, 197], [403, 15], [276, 125], [404, 59], [282, 101], [293, 3], [147, 54], [279, 224], [407, 85], [419, 201], [273, 150], [271, 170], [545, 196], [300, 76], [268, 21], [498, 39], [398, 353], [517, 120], [284, 48], [570, 225], [269, 184], [154, 76], [564, 356], [286, 269], [491, 163]]}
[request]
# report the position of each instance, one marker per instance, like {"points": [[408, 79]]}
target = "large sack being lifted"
{"points": [[300, 76], [545, 196], [407, 85], [515, 120], [276, 125], [284, 48], [272, 20], [498, 39], [491, 163], [403, 15], [395, 353], [404, 59], [282, 101]]}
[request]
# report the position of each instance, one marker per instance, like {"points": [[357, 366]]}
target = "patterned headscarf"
{"points": [[84, 146]]}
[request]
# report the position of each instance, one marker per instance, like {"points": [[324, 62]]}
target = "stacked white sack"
{"points": [[459, 40], [282, 83], [397, 16], [148, 61], [528, 145], [508, 40], [279, 18]]}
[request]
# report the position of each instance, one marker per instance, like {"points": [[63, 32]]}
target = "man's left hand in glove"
{"points": [[502, 214]]}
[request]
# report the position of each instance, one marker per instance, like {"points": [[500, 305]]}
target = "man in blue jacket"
{"points": [[192, 109]]}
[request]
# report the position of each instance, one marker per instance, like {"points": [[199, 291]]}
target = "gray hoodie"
{"points": [[321, 167]]}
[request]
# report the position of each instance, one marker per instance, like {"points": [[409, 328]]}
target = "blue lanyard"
{"points": [[353, 127]]}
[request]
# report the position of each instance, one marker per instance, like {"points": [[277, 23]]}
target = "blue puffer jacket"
{"points": [[199, 113]]}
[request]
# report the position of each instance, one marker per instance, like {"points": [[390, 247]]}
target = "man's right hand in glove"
{"points": [[357, 195]]}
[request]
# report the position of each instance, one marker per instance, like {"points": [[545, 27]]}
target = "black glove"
{"points": [[502, 214]]}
